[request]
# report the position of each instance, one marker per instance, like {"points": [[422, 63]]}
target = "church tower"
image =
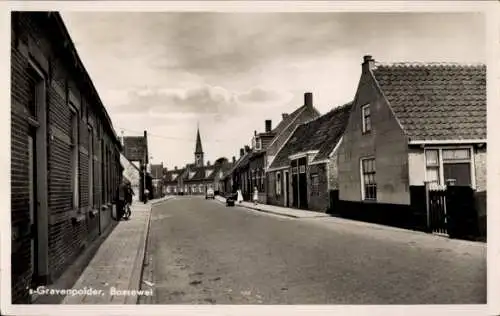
{"points": [[198, 152]]}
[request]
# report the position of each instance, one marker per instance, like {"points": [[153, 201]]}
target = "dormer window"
{"points": [[258, 143], [366, 119]]}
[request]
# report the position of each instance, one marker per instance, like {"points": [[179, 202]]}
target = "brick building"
{"points": [[250, 170], [65, 155], [411, 124], [304, 171]]}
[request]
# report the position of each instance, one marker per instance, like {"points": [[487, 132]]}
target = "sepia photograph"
{"points": [[247, 157]]}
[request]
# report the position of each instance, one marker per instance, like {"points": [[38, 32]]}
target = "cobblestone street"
{"points": [[202, 252]]}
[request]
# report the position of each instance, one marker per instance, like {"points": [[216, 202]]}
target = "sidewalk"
{"points": [[277, 209], [117, 263], [327, 218]]}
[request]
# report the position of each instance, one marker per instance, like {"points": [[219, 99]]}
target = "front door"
{"points": [[302, 185], [287, 185], [33, 203], [295, 184]]}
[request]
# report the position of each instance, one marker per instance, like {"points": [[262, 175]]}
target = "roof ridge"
{"points": [[428, 64]]}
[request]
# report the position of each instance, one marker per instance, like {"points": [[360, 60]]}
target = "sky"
{"points": [[167, 72]]}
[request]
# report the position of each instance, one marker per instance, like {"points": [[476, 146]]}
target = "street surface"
{"points": [[202, 252]]}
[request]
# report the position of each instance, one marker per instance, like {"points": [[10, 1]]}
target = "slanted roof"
{"points": [[321, 134], [436, 101], [334, 130], [235, 165], [173, 175], [287, 120]]}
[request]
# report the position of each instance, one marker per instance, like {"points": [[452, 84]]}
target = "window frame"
{"points": [[362, 178], [75, 153], [278, 184], [258, 143], [366, 128], [442, 162], [314, 184]]}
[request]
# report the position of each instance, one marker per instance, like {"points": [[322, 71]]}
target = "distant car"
{"points": [[210, 194], [230, 199]]}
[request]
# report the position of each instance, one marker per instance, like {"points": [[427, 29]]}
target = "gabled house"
{"points": [[172, 181], [250, 170], [304, 171], [287, 125], [197, 179], [413, 124]]}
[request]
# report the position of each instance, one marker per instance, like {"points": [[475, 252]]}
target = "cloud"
{"points": [[202, 100], [262, 95]]}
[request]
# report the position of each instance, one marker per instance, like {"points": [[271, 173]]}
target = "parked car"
{"points": [[210, 194], [230, 199]]}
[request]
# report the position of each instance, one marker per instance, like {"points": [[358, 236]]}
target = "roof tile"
{"points": [[436, 101]]}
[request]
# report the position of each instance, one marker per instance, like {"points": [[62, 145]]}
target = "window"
{"points": [[74, 156], [258, 143], [278, 183], [36, 85], [91, 166], [368, 184], [453, 168], [432, 166], [366, 118], [314, 184], [302, 169], [201, 188], [168, 189]]}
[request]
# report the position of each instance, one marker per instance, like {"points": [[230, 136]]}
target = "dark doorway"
{"points": [[295, 184], [302, 185], [287, 191]]}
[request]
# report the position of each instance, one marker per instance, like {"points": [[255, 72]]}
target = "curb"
{"points": [[137, 274], [267, 211], [135, 279]]}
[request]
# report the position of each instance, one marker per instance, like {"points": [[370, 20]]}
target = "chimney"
{"points": [[268, 126], [284, 115], [242, 152], [234, 159], [308, 99], [175, 168], [208, 163], [368, 63], [247, 148], [255, 133]]}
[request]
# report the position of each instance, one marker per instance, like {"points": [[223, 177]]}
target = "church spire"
{"points": [[198, 153]]}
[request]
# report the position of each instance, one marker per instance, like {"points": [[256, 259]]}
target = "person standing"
{"points": [[239, 196], [121, 199], [255, 195]]}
